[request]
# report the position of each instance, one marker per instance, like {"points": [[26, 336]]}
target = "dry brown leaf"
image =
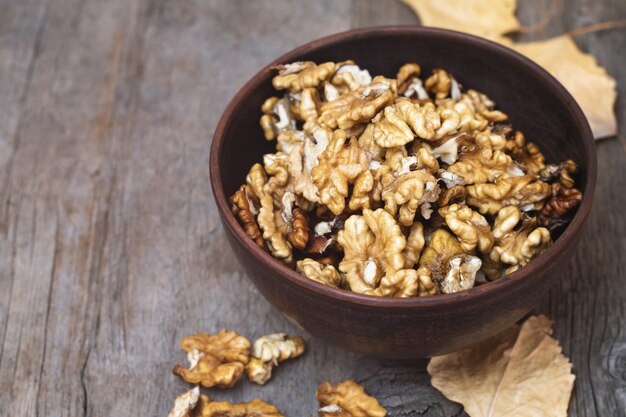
{"points": [[592, 87], [487, 18], [520, 372], [580, 74]]}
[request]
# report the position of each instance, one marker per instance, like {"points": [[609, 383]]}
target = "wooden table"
{"points": [[110, 245]]}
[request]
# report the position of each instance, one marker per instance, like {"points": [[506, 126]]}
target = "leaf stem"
{"points": [[597, 27], [554, 9]]}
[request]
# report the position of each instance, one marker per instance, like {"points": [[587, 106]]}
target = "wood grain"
{"points": [[110, 245]]}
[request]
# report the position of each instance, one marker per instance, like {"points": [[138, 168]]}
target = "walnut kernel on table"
{"points": [[347, 399], [435, 191], [194, 404], [268, 351], [216, 360]]}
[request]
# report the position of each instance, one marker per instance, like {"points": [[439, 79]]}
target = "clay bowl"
{"points": [[418, 327]]}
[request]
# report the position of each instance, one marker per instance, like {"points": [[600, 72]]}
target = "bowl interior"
{"points": [[535, 102]]}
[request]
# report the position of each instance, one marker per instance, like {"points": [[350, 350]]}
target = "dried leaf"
{"points": [[592, 87], [580, 74], [517, 373], [487, 18]]}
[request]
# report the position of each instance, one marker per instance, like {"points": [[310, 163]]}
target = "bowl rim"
{"points": [[475, 294]]}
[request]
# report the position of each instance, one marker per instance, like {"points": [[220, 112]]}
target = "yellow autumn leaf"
{"points": [[580, 74], [591, 86], [520, 372], [487, 18]]}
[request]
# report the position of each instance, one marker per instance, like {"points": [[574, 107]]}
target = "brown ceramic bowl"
{"points": [[416, 327]]}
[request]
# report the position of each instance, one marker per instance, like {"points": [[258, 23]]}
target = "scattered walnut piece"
{"points": [[277, 347], [347, 399], [562, 201], [258, 371], [216, 360], [268, 351], [254, 408], [324, 274], [185, 404]]}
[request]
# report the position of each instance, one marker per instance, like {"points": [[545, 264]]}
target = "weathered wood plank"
{"points": [[166, 268], [588, 304], [111, 248], [56, 190], [22, 27], [379, 13]]}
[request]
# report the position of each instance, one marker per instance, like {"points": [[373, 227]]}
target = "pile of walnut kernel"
{"points": [[398, 187], [346, 399], [219, 360]]}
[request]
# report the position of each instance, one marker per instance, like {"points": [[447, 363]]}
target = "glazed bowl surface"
{"points": [[426, 326]]}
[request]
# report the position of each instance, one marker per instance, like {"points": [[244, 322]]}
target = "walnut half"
{"points": [[205, 407], [268, 351], [245, 207], [216, 360], [347, 399], [563, 200]]}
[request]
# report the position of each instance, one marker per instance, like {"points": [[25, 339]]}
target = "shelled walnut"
{"points": [[347, 399], [194, 404], [436, 190], [216, 360], [268, 351]]}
